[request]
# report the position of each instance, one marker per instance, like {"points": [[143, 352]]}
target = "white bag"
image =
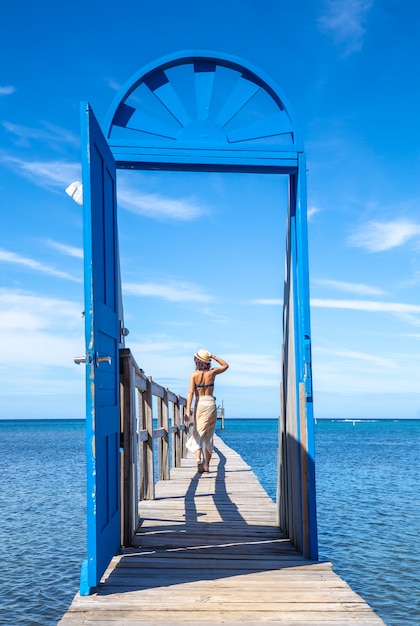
{"points": [[192, 443]]}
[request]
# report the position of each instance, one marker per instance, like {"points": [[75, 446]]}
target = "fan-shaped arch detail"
{"points": [[202, 106]]}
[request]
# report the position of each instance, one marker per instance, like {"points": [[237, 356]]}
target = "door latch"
{"points": [[102, 359], [98, 359]]}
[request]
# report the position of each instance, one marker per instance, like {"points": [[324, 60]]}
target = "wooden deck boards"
{"points": [[208, 551]]}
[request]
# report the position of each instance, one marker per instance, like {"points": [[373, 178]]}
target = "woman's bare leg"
{"points": [[208, 457], [200, 467]]}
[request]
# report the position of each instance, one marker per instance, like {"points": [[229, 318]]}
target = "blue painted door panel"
{"points": [[102, 358]]}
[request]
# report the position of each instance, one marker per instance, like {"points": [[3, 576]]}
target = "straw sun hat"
{"points": [[203, 355]]}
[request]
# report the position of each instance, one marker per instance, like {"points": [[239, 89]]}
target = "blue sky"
{"points": [[202, 255]]}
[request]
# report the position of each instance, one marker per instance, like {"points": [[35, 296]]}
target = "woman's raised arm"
{"points": [[223, 365]]}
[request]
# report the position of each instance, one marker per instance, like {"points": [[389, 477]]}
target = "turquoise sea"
{"points": [[367, 497]]}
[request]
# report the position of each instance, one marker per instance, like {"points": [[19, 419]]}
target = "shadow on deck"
{"points": [[209, 550]]}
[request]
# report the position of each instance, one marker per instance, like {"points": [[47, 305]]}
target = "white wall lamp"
{"points": [[75, 191]]}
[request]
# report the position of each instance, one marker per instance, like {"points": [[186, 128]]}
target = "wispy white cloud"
{"points": [[313, 210], [21, 311], [165, 355], [58, 174], [358, 356], [169, 360], [268, 301], [110, 82], [254, 363], [45, 174], [16, 259], [39, 338], [156, 205], [31, 330], [248, 370], [356, 372], [7, 90], [65, 249], [344, 21], [380, 236], [175, 291], [343, 376], [358, 288], [366, 305], [408, 311], [215, 316], [48, 133]]}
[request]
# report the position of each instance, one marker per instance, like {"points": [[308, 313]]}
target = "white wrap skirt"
{"points": [[205, 417]]}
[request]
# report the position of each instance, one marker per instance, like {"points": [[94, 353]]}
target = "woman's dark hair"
{"points": [[200, 365]]}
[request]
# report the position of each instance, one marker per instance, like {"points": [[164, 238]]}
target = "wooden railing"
{"points": [[138, 435]]}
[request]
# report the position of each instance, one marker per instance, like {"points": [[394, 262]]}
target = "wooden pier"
{"points": [[208, 550]]}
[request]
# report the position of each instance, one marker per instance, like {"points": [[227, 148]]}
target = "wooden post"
{"points": [[142, 449], [160, 439], [147, 478], [184, 432], [175, 434], [129, 457], [176, 438], [163, 442]]}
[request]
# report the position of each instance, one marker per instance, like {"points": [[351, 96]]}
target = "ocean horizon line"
{"points": [[227, 419]]}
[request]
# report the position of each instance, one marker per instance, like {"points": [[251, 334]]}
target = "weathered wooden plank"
{"points": [[205, 602], [317, 619], [297, 590], [123, 616], [208, 551], [221, 594]]}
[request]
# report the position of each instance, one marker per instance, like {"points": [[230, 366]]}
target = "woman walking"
{"points": [[205, 412]]}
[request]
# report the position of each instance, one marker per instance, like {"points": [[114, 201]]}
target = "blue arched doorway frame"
{"points": [[206, 111]]}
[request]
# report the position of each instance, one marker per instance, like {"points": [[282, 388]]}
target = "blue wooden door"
{"points": [[102, 357]]}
